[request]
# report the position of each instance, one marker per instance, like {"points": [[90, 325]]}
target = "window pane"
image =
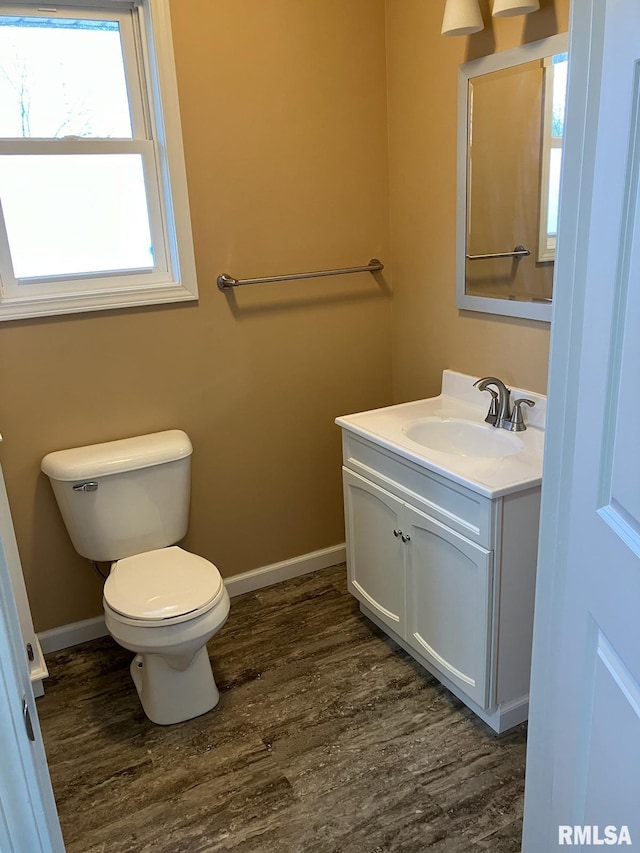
{"points": [[560, 67], [555, 167], [62, 77], [71, 214]]}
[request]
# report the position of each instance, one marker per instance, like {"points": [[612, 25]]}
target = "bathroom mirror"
{"points": [[510, 127]]}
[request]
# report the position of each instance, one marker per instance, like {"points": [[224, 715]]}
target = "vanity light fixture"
{"points": [[507, 8], [461, 18]]}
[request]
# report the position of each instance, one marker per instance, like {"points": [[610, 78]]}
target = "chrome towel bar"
{"points": [[225, 282], [518, 252]]}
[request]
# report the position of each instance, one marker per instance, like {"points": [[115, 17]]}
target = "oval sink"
{"points": [[462, 438]]}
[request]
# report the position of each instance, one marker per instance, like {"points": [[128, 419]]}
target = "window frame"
{"points": [[546, 241], [157, 137]]}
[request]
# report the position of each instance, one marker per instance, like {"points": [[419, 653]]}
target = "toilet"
{"points": [[126, 502]]}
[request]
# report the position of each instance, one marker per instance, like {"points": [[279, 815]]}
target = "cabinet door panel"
{"points": [[448, 611], [375, 556]]}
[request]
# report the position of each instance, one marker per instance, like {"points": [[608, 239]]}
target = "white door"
{"points": [[28, 817], [375, 552], [583, 760], [449, 584]]}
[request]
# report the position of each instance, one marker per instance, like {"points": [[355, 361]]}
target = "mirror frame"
{"points": [[474, 68]]}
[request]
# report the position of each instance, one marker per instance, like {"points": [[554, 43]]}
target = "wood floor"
{"points": [[327, 738]]}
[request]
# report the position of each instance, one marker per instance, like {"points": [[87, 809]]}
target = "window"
{"points": [[555, 90], [93, 202]]}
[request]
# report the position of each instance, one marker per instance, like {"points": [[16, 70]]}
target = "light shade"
{"points": [[461, 18], [507, 8]]}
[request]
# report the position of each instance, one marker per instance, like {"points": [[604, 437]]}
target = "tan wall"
{"points": [[284, 121], [429, 332]]}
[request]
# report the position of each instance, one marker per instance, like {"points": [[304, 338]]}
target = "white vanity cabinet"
{"points": [[447, 572]]}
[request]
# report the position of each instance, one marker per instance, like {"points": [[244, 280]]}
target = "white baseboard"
{"points": [[66, 636], [72, 634], [287, 569]]}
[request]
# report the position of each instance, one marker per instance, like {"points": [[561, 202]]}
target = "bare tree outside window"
{"points": [[62, 77]]}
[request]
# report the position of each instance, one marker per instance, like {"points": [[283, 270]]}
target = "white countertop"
{"points": [[489, 476]]}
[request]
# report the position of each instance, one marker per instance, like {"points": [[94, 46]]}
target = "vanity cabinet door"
{"points": [[375, 551], [449, 586]]}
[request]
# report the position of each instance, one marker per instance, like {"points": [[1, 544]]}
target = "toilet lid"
{"points": [[161, 584]]}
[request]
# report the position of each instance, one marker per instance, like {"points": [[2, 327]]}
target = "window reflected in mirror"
{"points": [[555, 91]]}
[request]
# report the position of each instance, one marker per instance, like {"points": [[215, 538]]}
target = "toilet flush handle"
{"points": [[90, 486]]}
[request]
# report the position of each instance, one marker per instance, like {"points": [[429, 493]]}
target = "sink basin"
{"points": [[462, 438]]}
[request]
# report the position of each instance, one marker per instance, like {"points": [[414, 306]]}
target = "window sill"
{"points": [[21, 309]]}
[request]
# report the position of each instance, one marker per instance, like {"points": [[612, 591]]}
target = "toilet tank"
{"points": [[124, 497]]}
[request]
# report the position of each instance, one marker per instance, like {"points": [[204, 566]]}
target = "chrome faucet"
{"points": [[500, 413], [492, 414]]}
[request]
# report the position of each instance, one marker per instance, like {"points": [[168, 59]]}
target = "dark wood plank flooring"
{"points": [[328, 739]]}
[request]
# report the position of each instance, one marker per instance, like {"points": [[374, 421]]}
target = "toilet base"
{"points": [[169, 695]]}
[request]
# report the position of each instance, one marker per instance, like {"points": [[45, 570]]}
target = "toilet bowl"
{"points": [[126, 502], [165, 605]]}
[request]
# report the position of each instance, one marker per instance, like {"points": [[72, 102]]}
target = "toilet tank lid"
{"points": [[115, 457]]}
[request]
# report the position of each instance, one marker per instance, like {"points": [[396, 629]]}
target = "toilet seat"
{"points": [[162, 587]]}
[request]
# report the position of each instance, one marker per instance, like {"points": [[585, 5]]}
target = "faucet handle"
{"points": [[517, 423]]}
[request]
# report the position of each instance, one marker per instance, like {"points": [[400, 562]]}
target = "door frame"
{"points": [[28, 814]]}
